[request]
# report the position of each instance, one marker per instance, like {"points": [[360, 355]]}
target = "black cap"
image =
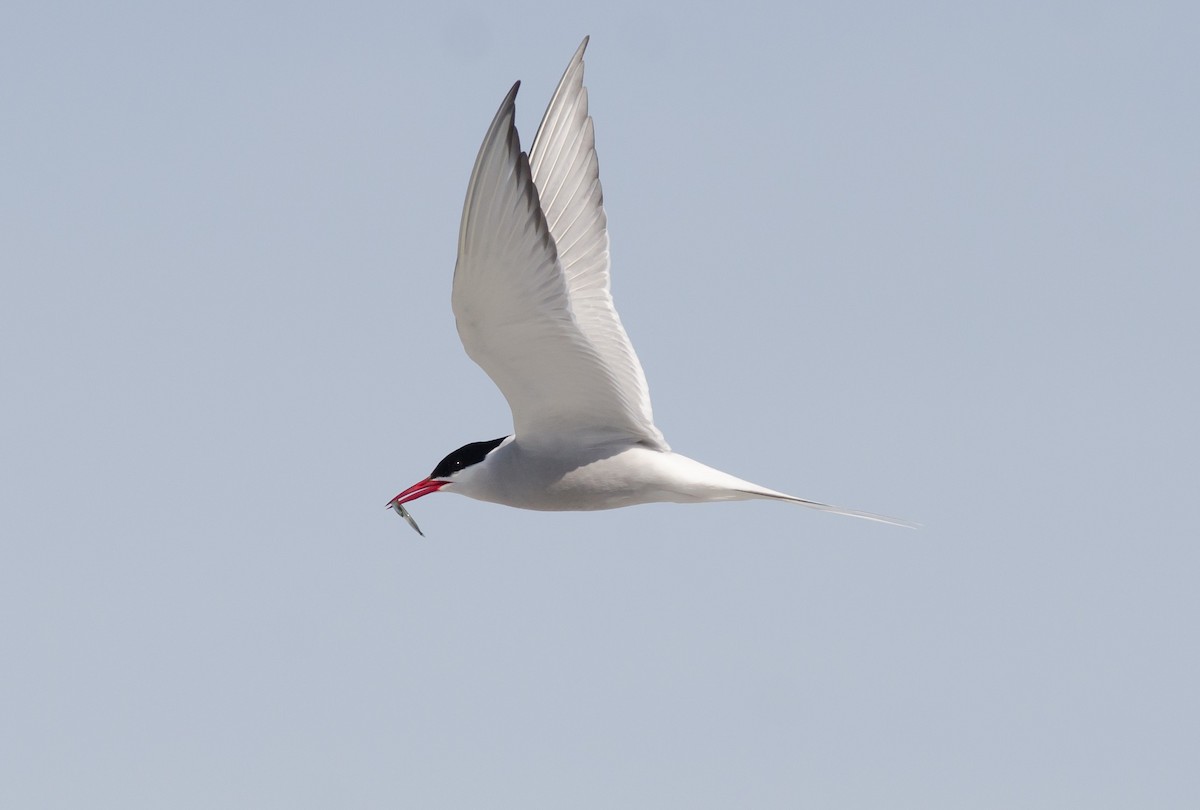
{"points": [[464, 457]]}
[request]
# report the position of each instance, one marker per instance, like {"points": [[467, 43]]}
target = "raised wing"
{"points": [[514, 310], [567, 175]]}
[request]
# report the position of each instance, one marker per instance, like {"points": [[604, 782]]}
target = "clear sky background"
{"points": [[934, 260]]}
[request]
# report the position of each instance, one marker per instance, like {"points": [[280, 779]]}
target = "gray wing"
{"points": [[514, 310], [567, 175]]}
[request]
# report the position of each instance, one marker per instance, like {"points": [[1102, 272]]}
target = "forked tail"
{"points": [[824, 507]]}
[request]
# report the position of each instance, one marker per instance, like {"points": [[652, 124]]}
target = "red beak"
{"points": [[418, 490]]}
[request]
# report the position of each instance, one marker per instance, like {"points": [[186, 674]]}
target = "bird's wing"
{"points": [[567, 175], [516, 314]]}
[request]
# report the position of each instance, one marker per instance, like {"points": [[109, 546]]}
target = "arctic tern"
{"points": [[532, 304]]}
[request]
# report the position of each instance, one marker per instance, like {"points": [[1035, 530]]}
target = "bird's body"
{"points": [[568, 475], [533, 307]]}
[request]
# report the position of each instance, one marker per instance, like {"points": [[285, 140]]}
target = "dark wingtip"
{"points": [[511, 98]]}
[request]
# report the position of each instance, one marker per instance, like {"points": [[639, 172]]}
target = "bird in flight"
{"points": [[532, 303]]}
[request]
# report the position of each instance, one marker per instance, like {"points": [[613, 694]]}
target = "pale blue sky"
{"points": [[931, 260]]}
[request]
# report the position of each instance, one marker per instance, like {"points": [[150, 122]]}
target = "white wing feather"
{"points": [[567, 175], [514, 311]]}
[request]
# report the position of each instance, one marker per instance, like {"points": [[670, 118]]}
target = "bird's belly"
{"points": [[568, 495], [627, 478]]}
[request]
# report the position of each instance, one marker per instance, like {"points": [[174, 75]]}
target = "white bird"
{"points": [[532, 303]]}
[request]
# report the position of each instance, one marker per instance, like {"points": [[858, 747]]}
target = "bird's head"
{"points": [[453, 469]]}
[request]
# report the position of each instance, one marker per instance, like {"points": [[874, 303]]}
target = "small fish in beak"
{"points": [[399, 509]]}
